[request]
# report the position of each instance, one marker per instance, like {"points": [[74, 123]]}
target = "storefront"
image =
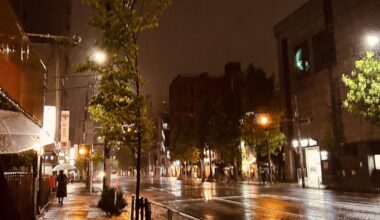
{"points": [[311, 161]]}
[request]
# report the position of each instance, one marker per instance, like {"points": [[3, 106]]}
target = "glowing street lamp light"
{"points": [[263, 120], [82, 151], [99, 57], [372, 40]]}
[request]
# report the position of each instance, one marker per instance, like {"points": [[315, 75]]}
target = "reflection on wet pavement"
{"points": [[242, 201]]}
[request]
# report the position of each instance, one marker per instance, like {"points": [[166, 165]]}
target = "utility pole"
{"points": [[297, 122]]}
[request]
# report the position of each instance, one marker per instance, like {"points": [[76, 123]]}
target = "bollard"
{"points": [[133, 208], [147, 210], [170, 214], [141, 205]]}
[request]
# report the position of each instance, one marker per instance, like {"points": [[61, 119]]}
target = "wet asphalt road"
{"points": [[249, 201]]}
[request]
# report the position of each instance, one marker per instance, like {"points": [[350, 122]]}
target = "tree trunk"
{"points": [[270, 168], [203, 173], [107, 163], [191, 170], [209, 156], [236, 172]]}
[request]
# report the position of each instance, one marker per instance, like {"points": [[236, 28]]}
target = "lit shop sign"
{"points": [[11, 49], [304, 143], [49, 120], [65, 124], [7, 49]]}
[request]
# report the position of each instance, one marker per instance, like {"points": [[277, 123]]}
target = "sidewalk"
{"points": [[77, 205]]}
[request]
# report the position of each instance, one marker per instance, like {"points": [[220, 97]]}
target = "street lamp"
{"points": [[82, 152], [264, 121], [298, 141], [98, 56], [371, 40]]}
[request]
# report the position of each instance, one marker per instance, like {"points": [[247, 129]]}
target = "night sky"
{"points": [[197, 36]]}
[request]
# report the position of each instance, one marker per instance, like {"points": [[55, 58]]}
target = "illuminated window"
{"points": [[377, 161], [301, 59]]}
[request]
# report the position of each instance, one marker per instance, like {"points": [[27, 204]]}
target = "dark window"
{"points": [[301, 59], [324, 49], [24, 15], [350, 150]]}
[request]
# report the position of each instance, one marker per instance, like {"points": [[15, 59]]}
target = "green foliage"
{"points": [[119, 104], [81, 164], [108, 204], [126, 158], [96, 158], [183, 139], [263, 139], [363, 84], [223, 131]]}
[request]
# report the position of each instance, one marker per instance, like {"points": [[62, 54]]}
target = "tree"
{"points": [[363, 84], [259, 91], [125, 158], [120, 102], [223, 130], [266, 140], [183, 142]]}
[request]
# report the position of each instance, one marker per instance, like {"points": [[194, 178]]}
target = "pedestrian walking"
{"points": [[62, 189]]}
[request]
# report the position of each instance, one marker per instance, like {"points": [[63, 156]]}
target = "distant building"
{"points": [[316, 44], [188, 93], [191, 94]]}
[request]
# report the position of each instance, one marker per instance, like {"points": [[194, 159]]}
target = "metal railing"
{"points": [[43, 192], [160, 211], [21, 189], [157, 211]]}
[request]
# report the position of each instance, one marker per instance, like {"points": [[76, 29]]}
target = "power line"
{"points": [[78, 87]]}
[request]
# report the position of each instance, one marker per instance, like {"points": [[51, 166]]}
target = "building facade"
{"points": [[192, 100], [188, 93], [46, 23], [316, 44]]}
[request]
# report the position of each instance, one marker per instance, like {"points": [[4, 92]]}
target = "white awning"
{"points": [[18, 133]]}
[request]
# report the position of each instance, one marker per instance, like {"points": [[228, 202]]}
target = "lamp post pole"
{"points": [[269, 159], [264, 121], [297, 122]]}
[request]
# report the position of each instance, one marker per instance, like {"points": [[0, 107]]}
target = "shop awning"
{"points": [[18, 133]]}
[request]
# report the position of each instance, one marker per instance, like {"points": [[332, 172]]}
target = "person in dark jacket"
{"points": [[62, 189]]}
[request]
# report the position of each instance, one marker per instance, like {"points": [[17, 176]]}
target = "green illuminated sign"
{"points": [[301, 59]]}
